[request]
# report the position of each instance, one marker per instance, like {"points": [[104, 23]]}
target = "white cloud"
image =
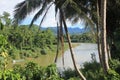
{"points": [[8, 6]]}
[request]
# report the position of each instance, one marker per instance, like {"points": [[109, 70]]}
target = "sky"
{"points": [[8, 6]]}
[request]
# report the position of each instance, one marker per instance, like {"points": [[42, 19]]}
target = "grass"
{"points": [[42, 60]]}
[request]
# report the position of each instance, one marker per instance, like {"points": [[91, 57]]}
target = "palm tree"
{"points": [[104, 41], [27, 6], [99, 32], [70, 46], [90, 7]]}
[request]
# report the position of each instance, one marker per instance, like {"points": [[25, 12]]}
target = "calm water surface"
{"points": [[82, 54]]}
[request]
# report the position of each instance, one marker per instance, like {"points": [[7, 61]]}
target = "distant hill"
{"points": [[71, 30]]}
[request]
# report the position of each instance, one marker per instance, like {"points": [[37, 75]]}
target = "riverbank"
{"points": [[42, 60]]}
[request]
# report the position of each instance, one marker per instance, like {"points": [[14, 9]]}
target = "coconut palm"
{"points": [[94, 9], [24, 8], [104, 40]]}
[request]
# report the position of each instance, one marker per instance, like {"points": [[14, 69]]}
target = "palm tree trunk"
{"points": [[70, 47], [58, 42], [62, 40], [104, 41], [98, 34]]}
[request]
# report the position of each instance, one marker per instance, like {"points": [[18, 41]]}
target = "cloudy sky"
{"points": [[8, 6]]}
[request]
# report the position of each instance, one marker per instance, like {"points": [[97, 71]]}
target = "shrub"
{"points": [[69, 73], [112, 75], [93, 71], [115, 65], [43, 52]]}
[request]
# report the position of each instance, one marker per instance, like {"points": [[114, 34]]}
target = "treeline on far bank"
{"points": [[26, 41], [86, 37], [23, 41]]}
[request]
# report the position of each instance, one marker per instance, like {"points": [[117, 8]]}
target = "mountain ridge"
{"points": [[71, 30]]}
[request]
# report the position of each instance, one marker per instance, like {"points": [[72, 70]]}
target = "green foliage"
{"points": [[24, 42], [32, 71], [93, 71], [3, 60], [15, 38], [115, 65], [43, 52], [6, 19], [1, 25], [113, 75], [44, 39], [9, 75], [3, 41], [70, 74], [85, 37], [116, 52]]}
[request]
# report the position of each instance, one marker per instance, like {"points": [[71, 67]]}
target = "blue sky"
{"points": [[8, 6]]}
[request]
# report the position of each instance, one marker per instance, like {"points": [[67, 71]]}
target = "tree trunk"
{"points": [[58, 42], [62, 40], [104, 42], [70, 47], [98, 34]]}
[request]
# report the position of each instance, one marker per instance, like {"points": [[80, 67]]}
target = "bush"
{"points": [[93, 71], [43, 52], [32, 71], [113, 75], [115, 65], [69, 73]]}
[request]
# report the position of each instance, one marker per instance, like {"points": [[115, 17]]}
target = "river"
{"points": [[82, 54]]}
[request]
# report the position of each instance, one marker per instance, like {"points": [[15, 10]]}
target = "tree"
{"points": [[104, 40], [5, 18], [1, 25], [25, 7]]}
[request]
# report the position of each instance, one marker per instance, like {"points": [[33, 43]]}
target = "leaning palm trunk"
{"points": [[58, 42], [70, 47], [104, 42], [62, 41]]}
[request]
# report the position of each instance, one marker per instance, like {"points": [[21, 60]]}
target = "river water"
{"points": [[82, 54]]}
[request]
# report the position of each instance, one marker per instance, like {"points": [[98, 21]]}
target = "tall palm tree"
{"points": [[90, 7], [104, 40], [70, 46], [27, 6]]}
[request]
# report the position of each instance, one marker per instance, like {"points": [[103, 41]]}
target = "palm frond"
{"points": [[40, 12], [26, 7], [80, 12], [45, 14], [65, 3], [56, 11]]}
